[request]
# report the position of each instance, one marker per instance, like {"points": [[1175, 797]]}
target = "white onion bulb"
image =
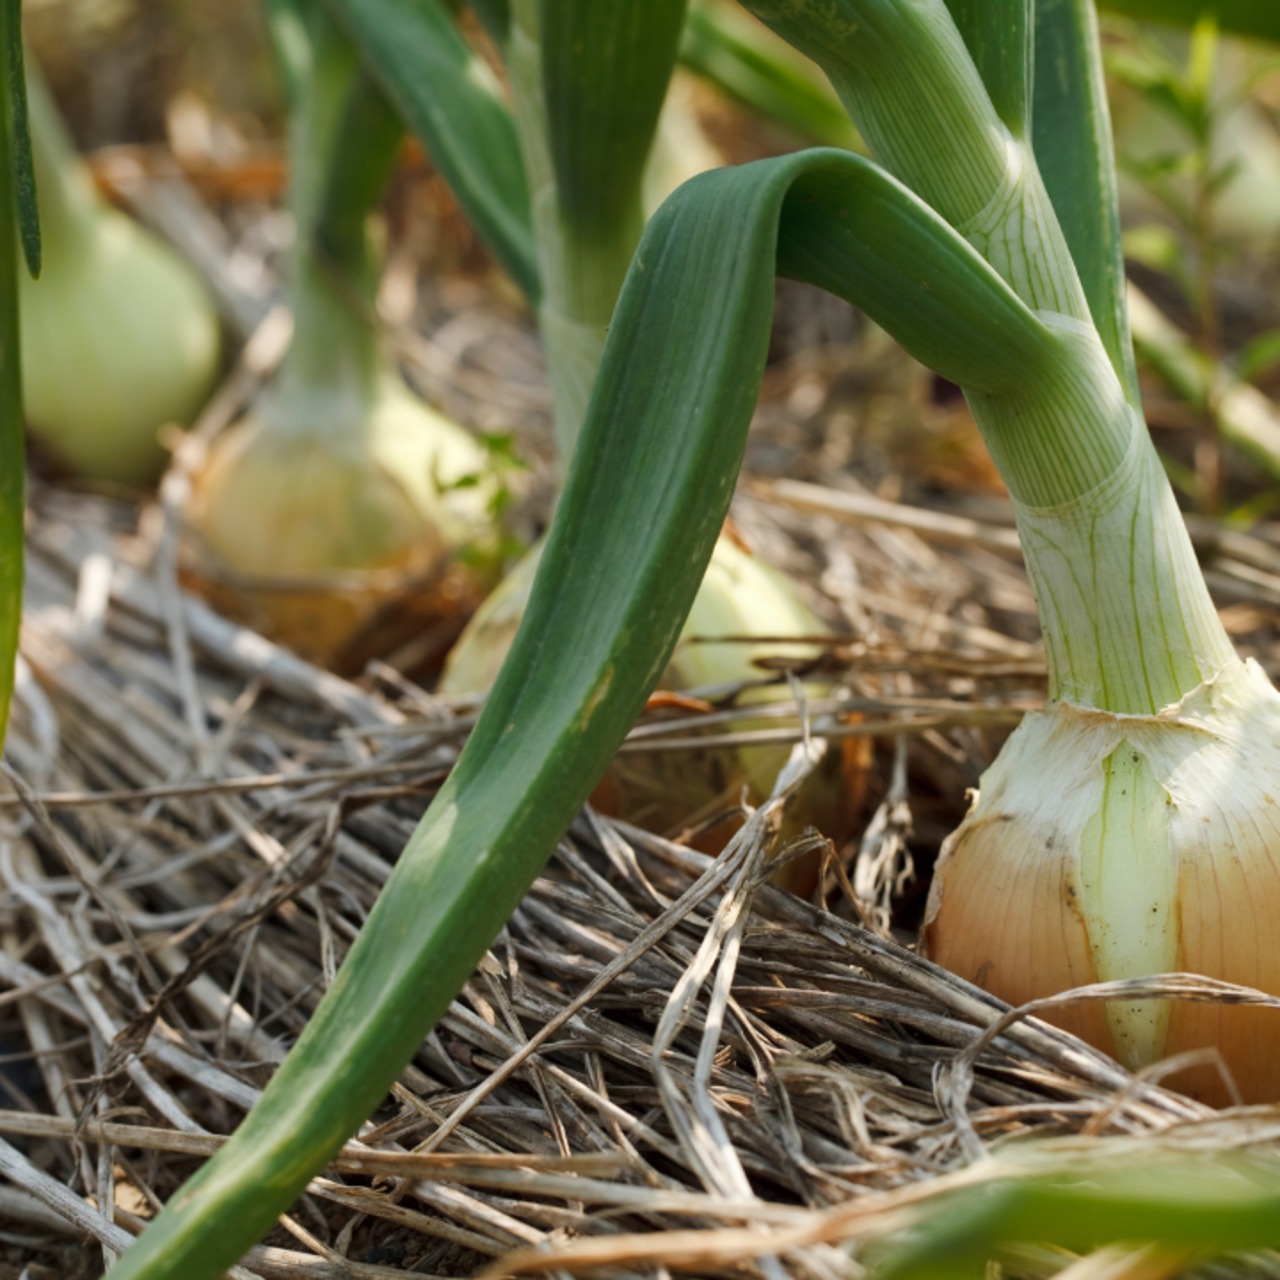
{"points": [[1104, 846]]}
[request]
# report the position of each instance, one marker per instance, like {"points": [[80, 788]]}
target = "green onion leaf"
{"points": [[749, 64], [21, 167], [588, 83], [999, 38], [602, 108], [1071, 136], [363, 155], [448, 97], [17, 211]]}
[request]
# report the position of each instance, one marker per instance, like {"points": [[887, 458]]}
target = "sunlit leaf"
{"points": [[1071, 136]]}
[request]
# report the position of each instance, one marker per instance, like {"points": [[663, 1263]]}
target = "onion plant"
{"points": [[120, 308], [1124, 830], [341, 488]]}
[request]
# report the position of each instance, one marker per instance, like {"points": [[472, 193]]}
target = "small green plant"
{"points": [[1186, 174], [494, 479], [1205, 169]]}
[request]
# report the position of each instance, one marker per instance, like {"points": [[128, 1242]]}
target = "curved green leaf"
{"points": [[906, 77], [1071, 136], [12, 465], [676, 393], [873, 242], [448, 97]]}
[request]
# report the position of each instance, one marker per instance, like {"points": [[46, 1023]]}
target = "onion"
{"points": [[119, 337], [1128, 829], [1123, 845], [312, 535], [341, 494], [675, 790]]}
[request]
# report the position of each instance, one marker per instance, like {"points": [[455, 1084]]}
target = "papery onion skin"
{"points": [[1013, 910]]}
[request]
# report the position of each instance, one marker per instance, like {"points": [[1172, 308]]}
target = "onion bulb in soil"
{"points": [[693, 793], [119, 336], [1130, 844], [334, 517], [1129, 828], [319, 538]]}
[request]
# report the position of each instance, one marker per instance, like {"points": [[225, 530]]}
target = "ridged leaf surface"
{"points": [[1071, 136]]}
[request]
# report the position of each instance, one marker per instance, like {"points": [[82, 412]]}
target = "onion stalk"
{"points": [[120, 337], [341, 490]]}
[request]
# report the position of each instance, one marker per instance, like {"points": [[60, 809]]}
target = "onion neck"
{"points": [[1128, 623], [581, 267], [343, 144], [330, 375]]}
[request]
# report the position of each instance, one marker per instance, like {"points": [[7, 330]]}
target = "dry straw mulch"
{"points": [[663, 1065]]}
